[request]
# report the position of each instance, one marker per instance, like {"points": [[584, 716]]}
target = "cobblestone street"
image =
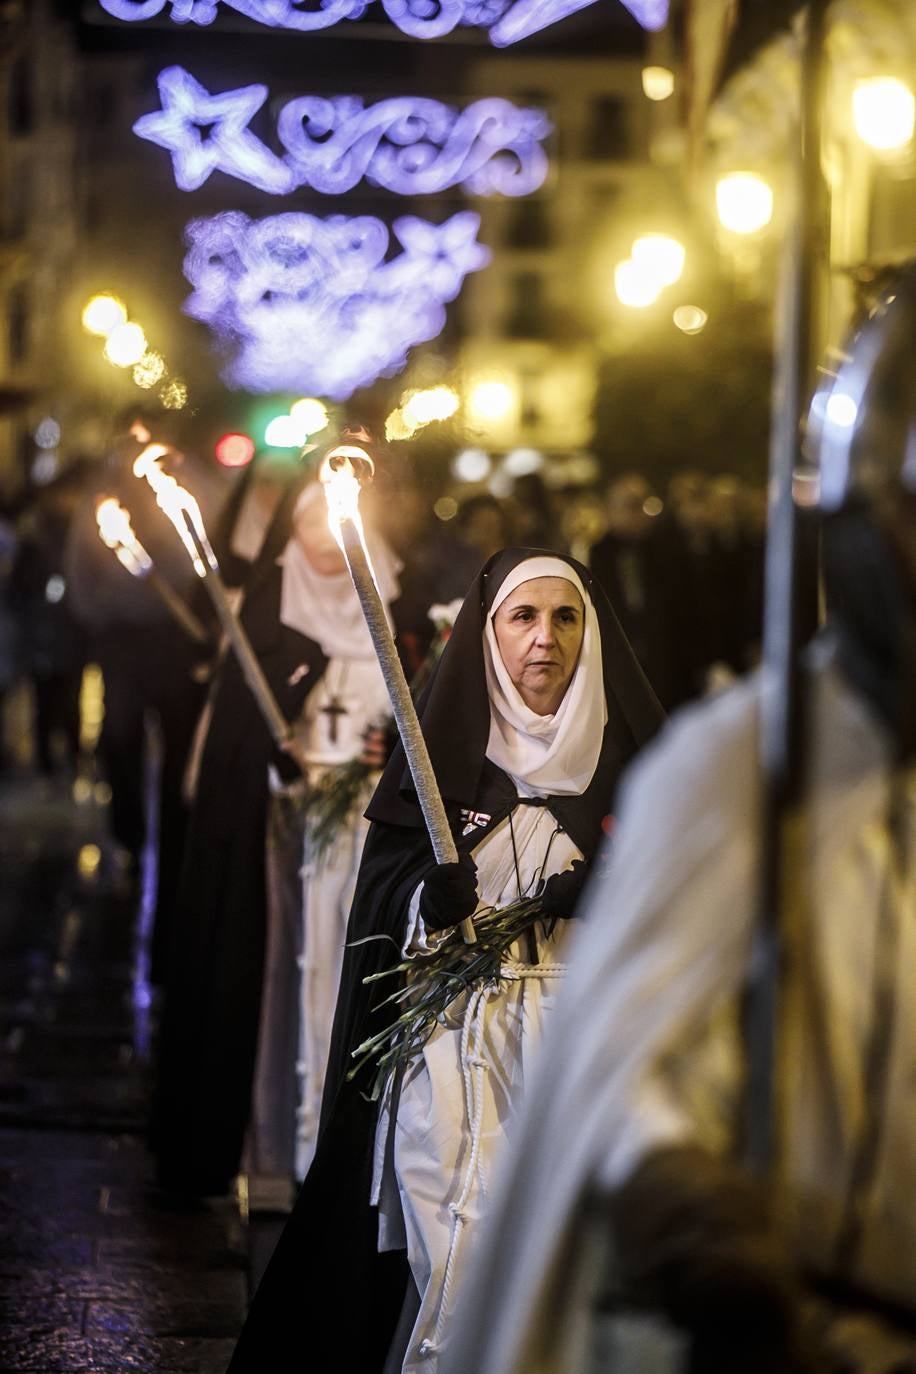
{"points": [[98, 1270]]}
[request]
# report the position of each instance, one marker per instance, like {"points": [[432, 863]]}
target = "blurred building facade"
{"points": [[40, 212]]}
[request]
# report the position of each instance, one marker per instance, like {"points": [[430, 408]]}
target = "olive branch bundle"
{"points": [[430, 982]]}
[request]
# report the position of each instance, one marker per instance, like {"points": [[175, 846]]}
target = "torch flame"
{"points": [[342, 474], [179, 505], [116, 531]]}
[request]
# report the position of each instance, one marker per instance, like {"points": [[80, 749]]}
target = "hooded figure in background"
{"points": [[534, 709], [302, 617], [623, 1173]]}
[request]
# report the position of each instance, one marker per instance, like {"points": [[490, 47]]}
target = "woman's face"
{"points": [[313, 534], [539, 629]]}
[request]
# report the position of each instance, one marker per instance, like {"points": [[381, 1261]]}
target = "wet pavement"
{"points": [[99, 1271]]}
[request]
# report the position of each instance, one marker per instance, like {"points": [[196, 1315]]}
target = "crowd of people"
{"points": [[478, 1137]]}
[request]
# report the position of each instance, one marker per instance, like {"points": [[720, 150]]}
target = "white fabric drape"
{"points": [[326, 608], [547, 755]]}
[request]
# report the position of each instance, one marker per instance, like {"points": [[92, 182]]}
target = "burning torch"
{"points": [[184, 512], [117, 533], [343, 472]]}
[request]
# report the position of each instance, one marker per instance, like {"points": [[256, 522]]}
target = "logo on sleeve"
{"points": [[474, 820]]}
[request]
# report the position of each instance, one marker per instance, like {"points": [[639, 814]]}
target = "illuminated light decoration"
{"points": [[102, 314], [205, 133], [149, 370], [744, 202], [310, 414], [234, 450], [635, 286], [408, 145], [690, 319], [45, 467], [419, 18], [884, 112], [446, 508], [471, 465], [125, 345], [653, 506], [660, 256], [47, 433], [657, 83], [174, 395], [309, 304], [491, 400]]}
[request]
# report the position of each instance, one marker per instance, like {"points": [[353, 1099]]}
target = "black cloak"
{"points": [[328, 1299]]}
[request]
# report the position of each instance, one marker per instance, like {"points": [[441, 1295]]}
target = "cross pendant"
{"points": [[334, 709]]}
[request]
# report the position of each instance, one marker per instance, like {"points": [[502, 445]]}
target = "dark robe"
{"points": [[327, 1264]]}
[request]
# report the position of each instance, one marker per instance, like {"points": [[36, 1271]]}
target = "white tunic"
{"points": [[643, 1049], [433, 1173]]}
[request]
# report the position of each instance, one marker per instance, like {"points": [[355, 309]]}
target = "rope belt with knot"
{"points": [[473, 1069]]}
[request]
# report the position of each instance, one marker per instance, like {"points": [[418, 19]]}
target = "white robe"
{"points": [[433, 1172], [305, 937], [642, 1050]]}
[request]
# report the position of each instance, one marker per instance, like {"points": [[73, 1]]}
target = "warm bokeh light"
{"points": [[435, 403], [744, 202], [471, 465], [491, 400], [661, 256], [884, 112], [690, 319], [102, 314], [284, 432], [521, 461], [149, 370], [125, 345], [657, 82], [841, 410], [310, 414], [174, 396], [234, 450], [636, 287], [653, 506], [446, 508]]}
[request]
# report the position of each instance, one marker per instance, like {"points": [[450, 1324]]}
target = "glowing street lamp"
{"points": [[660, 256], [125, 345], [102, 314], [884, 112], [491, 400], [636, 286], [149, 370], [657, 82], [744, 202], [690, 319]]}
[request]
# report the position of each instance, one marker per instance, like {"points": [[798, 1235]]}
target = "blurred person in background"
{"points": [[637, 570], [9, 656], [484, 525], [254, 899], [533, 516], [625, 1178], [52, 640], [147, 662]]}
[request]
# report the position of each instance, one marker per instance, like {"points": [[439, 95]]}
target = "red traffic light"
{"points": [[234, 450]]}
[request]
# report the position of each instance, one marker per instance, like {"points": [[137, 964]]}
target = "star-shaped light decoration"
{"points": [[207, 133]]}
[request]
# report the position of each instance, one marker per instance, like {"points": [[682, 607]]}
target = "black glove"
{"points": [[563, 890], [449, 893]]}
